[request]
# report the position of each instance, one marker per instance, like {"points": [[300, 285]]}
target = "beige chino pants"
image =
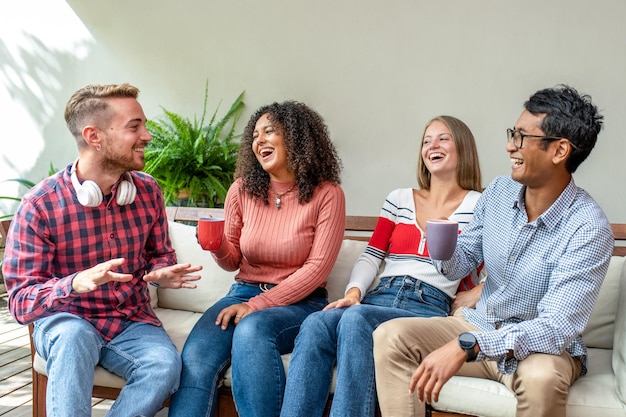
{"points": [[541, 381]]}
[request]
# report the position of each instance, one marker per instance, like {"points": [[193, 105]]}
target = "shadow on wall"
{"points": [[33, 100]]}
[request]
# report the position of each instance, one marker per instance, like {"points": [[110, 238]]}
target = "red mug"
{"points": [[210, 232]]}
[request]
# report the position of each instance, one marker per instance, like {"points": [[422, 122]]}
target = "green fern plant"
{"points": [[193, 161], [22, 181], [28, 184]]}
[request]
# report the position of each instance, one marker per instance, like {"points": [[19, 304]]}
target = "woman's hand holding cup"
{"points": [[210, 233]]}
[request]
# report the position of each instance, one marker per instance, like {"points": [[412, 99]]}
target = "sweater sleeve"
{"points": [[229, 256], [329, 232]]}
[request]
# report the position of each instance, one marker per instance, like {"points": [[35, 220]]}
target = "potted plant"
{"points": [[194, 161]]}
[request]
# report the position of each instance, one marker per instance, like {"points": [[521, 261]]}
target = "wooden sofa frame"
{"points": [[357, 227]]}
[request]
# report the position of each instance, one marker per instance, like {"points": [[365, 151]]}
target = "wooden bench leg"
{"points": [[39, 394], [40, 382]]}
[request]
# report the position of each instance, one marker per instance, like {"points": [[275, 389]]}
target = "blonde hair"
{"points": [[90, 103], [468, 168]]}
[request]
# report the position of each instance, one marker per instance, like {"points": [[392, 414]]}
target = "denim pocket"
{"points": [[437, 301]]}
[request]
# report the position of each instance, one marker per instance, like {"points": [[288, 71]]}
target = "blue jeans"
{"points": [[254, 346], [142, 354], [345, 336]]}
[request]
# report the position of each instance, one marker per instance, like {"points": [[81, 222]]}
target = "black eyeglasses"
{"points": [[518, 137]]}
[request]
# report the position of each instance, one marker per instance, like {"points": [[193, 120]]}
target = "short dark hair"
{"points": [[571, 115]]}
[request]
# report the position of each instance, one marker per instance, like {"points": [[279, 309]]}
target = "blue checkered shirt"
{"points": [[543, 277]]}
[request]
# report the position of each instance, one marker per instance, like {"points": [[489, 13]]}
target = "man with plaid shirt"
{"points": [[81, 250]]}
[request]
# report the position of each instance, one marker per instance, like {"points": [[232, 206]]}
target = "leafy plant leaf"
{"points": [[194, 156]]}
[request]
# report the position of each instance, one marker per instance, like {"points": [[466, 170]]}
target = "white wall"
{"points": [[376, 70]]}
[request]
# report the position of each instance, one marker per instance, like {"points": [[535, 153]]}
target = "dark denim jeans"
{"points": [[253, 347]]}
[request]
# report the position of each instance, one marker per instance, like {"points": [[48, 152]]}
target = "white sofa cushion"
{"points": [[477, 397], [619, 341], [340, 274], [601, 326], [594, 394], [591, 395], [213, 285]]}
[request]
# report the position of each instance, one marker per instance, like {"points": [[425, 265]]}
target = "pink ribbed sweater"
{"points": [[295, 246]]}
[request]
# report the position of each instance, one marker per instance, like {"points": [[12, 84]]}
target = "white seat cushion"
{"points": [[591, 395]]}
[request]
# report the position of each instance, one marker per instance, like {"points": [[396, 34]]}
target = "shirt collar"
{"points": [[555, 212]]}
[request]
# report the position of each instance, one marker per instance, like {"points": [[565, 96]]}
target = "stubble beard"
{"points": [[119, 164]]}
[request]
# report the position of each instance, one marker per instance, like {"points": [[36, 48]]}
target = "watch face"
{"points": [[467, 340]]}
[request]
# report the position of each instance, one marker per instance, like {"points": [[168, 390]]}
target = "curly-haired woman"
{"points": [[285, 217], [449, 177]]}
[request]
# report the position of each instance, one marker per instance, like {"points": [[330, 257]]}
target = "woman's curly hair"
{"points": [[311, 155]]}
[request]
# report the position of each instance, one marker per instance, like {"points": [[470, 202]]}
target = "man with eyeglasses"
{"points": [[546, 245]]}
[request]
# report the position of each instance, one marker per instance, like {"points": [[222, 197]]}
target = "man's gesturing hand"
{"points": [[174, 276], [90, 279]]}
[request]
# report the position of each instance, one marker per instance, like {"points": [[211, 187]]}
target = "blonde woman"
{"points": [[449, 185]]}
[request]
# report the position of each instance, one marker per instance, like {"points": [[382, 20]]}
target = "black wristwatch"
{"points": [[467, 341]]}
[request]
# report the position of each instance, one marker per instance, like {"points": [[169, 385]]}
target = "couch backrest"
{"points": [[215, 281], [340, 274]]}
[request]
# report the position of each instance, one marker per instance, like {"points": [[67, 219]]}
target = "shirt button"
{"points": [[489, 311], [502, 287], [112, 235]]}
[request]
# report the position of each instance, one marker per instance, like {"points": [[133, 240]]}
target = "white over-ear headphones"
{"points": [[90, 195]]}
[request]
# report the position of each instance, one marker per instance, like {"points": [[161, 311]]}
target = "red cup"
{"points": [[441, 238], [210, 232]]}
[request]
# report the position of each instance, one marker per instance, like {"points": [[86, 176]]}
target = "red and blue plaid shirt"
{"points": [[53, 237]]}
